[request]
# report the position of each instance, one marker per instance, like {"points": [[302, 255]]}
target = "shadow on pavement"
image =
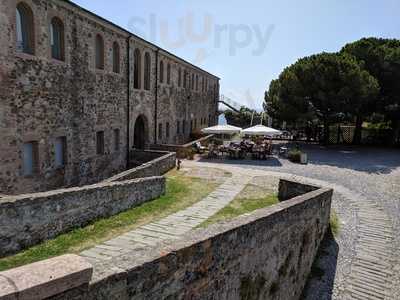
{"points": [[321, 280]]}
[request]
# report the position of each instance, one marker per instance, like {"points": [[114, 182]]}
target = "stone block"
{"points": [[45, 279]]}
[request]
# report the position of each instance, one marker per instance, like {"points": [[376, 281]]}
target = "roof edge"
{"points": [[138, 37]]}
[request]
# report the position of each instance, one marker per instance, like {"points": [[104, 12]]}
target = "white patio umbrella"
{"points": [[222, 129], [261, 130]]}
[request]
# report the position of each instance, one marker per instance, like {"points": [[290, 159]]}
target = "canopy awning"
{"points": [[222, 129], [261, 130]]}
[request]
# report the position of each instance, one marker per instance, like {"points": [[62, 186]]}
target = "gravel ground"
{"points": [[371, 173]]}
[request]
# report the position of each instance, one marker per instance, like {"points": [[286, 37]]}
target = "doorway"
{"points": [[140, 133]]}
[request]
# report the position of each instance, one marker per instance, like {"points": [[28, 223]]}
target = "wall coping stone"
{"points": [[25, 198], [46, 278], [205, 138], [126, 173]]}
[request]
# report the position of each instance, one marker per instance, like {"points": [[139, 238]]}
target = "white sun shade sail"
{"points": [[222, 129], [261, 130]]}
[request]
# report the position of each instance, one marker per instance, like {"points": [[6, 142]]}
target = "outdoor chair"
{"points": [[212, 151], [199, 148]]}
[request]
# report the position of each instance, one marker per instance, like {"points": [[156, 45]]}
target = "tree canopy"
{"points": [[362, 79], [381, 58]]}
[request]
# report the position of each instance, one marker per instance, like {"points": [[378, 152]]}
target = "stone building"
{"points": [[77, 92]]}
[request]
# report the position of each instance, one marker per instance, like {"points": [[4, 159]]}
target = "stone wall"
{"points": [[265, 255], [158, 163], [42, 99], [179, 148], [26, 220], [290, 189]]}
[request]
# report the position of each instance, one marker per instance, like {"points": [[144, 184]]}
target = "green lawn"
{"points": [[182, 191], [252, 197]]}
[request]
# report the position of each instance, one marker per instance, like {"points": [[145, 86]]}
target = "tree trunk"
{"points": [[326, 131], [396, 131], [358, 130]]}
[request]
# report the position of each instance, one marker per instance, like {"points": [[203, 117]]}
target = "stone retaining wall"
{"points": [[155, 167], [26, 220], [179, 148], [265, 255], [290, 189]]}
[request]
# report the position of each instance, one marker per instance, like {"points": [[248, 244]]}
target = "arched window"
{"points": [[180, 77], [137, 62], [25, 29], [161, 71], [116, 58], [57, 39], [147, 70], [168, 74], [99, 52]]}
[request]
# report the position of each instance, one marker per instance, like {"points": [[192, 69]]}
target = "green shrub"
{"points": [[334, 223], [195, 135], [295, 155], [190, 154], [185, 153]]}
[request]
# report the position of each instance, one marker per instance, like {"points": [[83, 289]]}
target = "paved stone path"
{"points": [[372, 271], [171, 227], [368, 273]]}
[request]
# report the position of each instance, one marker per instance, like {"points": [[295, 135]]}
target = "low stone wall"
{"points": [[26, 220], [290, 189], [158, 163], [265, 255]]}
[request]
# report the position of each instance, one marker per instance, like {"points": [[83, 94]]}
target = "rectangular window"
{"points": [[167, 130], [160, 131], [60, 151], [100, 142], [183, 126], [116, 140], [178, 127], [30, 158]]}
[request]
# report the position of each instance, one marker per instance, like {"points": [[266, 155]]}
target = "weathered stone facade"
{"points": [[42, 99]]}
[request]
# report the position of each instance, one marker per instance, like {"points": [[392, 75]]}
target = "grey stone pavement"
{"points": [[172, 226], [363, 261]]}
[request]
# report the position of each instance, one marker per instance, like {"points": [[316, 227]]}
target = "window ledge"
{"points": [[24, 55]]}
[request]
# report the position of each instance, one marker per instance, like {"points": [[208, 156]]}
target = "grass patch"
{"points": [[334, 223], [181, 192], [252, 197]]}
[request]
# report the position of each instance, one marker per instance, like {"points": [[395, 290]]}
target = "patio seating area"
{"points": [[244, 149], [254, 142]]}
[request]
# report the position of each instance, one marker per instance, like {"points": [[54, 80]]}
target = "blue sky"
{"points": [[248, 43]]}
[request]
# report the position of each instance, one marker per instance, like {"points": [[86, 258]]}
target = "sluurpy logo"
{"points": [[204, 34]]}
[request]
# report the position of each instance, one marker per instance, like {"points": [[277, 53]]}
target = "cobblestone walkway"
{"points": [[171, 227], [371, 274], [368, 273]]}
